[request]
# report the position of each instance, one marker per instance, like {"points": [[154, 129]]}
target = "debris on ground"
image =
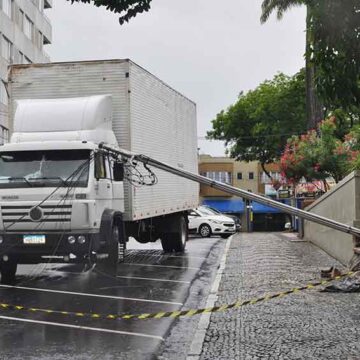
{"points": [[330, 273], [350, 284]]}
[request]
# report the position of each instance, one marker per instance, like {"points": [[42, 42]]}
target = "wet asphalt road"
{"points": [[148, 281]]}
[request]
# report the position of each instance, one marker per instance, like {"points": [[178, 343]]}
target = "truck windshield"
{"points": [[45, 168]]}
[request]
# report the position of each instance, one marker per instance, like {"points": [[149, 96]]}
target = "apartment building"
{"points": [[24, 31], [248, 176]]}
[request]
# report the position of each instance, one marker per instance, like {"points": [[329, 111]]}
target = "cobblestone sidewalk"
{"points": [[308, 325]]}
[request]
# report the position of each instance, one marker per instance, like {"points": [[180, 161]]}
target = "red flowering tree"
{"points": [[317, 157]]}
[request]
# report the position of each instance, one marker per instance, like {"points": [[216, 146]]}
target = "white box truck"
{"points": [[62, 196]]}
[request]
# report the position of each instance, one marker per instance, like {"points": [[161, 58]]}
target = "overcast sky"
{"points": [[207, 51]]}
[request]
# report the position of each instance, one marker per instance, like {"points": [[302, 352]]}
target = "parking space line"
{"points": [[152, 279], [172, 256], [118, 332], [185, 257], [89, 294], [164, 266]]}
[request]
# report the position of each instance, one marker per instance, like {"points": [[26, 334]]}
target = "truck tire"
{"points": [[176, 240], [205, 230], [8, 271], [112, 247]]}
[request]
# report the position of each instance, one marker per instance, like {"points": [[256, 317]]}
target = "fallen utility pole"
{"points": [[235, 191]]}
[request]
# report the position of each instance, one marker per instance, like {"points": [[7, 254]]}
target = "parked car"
{"points": [[236, 220], [205, 222], [234, 217]]}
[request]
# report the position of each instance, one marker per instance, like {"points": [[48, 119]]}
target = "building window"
{"points": [[20, 19], [6, 49], [4, 135], [3, 94], [41, 5], [39, 40], [251, 175], [28, 27], [7, 7], [239, 175], [267, 180], [221, 176]]}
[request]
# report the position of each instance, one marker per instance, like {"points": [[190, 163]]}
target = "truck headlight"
{"points": [[81, 239], [71, 240]]}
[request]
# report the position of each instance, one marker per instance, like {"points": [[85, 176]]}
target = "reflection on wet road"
{"points": [[148, 281]]}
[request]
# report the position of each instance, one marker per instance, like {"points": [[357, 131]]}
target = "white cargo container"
{"points": [[59, 115]]}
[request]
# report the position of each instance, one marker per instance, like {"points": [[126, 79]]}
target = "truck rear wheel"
{"points": [[8, 271], [176, 240]]}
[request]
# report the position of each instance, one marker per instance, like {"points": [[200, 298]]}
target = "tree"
{"points": [[313, 105], [336, 52], [332, 53], [126, 8], [257, 125]]}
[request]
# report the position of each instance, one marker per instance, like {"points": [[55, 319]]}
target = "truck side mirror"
{"points": [[118, 171]]}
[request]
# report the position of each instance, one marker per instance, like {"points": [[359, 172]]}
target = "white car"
{"points": [[205, 222]]}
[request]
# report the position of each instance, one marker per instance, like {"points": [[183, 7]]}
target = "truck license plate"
{"points": [[34, 239]]}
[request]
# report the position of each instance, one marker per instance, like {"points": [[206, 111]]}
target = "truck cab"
{"points": [[58, 196]]}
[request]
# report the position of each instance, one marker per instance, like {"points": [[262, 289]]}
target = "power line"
{"points": [[250, 137]]}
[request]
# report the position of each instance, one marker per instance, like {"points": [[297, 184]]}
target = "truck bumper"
{"points": [[56, 245]]}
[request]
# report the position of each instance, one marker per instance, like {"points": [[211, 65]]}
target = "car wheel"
{"points": [[205, 230]]}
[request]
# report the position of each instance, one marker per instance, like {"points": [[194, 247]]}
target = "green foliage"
{"points": [[257, 125], [126, 8], [333, 28], [336, 51]]}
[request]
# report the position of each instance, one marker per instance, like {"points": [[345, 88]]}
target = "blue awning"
{"points": [[237, 206], [226, 206]]}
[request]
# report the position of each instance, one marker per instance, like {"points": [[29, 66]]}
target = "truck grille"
{"points": [[14, 214]]}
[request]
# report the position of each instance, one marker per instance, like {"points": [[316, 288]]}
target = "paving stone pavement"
{"points": [[307, 325]]}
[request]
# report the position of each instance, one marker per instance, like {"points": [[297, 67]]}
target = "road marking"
{"points": [[152, 279], [203, 324], [186, 257], [88, 294], [164, 266], [119, 332]]}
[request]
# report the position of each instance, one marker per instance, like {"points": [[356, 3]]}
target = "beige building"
{"points": [[241, 174]]}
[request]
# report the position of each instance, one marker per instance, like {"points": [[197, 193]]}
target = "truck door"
{"points": [[103, 183]]}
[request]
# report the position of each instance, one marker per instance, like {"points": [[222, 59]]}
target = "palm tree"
{"points": [[314, 107]]}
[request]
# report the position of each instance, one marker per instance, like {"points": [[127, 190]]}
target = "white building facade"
{"points": [[24, 30]]}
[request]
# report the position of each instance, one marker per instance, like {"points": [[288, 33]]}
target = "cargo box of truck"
{"points": [[61, 190]]}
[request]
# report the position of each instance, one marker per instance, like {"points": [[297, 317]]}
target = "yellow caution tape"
{"points": [[178, 313]]}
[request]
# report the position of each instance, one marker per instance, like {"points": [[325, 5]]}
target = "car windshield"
{"points": [[206, 211], [45, 168], [216, 212]]}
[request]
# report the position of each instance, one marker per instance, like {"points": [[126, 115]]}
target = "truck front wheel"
{"points": [[176, 240], [8, 271], [113, 246]]}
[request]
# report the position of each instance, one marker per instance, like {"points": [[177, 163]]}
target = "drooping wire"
{"points": [[138, 174], [67, 196], [68, 180]]}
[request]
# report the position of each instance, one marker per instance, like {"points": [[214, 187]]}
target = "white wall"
{"points": [[342, 204]]}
